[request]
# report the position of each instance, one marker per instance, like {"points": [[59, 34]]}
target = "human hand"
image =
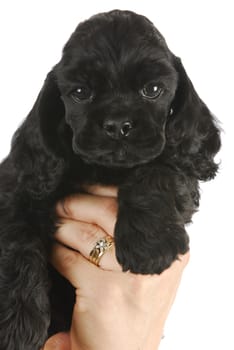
{"points": [[113, 309]]}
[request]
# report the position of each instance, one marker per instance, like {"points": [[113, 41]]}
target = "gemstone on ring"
{"points": [[101, 246]]}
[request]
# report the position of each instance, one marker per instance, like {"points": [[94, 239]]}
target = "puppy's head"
{"points": [[120, 98], [117, 84]]}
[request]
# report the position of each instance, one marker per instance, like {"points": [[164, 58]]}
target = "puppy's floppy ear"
{"points": [[193, 136], [36, 150]]}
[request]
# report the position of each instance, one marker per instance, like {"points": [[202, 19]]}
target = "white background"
{"points": [[32, 34]]}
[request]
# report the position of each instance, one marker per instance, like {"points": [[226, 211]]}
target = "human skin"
{"points": [[114, 309]]}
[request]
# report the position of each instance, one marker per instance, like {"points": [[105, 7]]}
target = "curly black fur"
{"points": [[154, 149]]}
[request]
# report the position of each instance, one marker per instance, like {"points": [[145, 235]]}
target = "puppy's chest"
{"points": [[89, 175]]}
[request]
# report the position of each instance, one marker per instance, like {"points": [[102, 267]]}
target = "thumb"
{"points": [[59, 341]]}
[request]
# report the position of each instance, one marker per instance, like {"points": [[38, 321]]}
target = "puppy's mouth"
{"points": [[122, 157]]}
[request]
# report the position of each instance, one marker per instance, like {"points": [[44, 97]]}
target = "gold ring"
{"points": [[101, 246]]}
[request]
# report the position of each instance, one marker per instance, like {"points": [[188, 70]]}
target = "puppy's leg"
{"points": [[24, 315], [150, 231]]}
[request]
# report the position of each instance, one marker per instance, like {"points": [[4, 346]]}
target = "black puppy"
{"points": [[117, 109]]}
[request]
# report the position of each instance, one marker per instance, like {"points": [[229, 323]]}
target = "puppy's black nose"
{"points": [[117, 128]]}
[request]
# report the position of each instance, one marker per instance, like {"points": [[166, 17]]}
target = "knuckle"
{"points": [[63, 207], [94, 231], [62, 227], [67, 206], [91, 234], [110, 206], [69, 259]]}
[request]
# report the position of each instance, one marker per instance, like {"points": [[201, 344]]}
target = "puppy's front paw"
{"points": [[148, 250]]}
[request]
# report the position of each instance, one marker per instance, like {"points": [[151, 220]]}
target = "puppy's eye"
{"points": [[82, 94], [151, 90]]}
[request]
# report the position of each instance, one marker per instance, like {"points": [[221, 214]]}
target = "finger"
{"points": [[74, 267], [97, 210], [60, 341], [67, 262], [104, 191], [83, 237]]}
